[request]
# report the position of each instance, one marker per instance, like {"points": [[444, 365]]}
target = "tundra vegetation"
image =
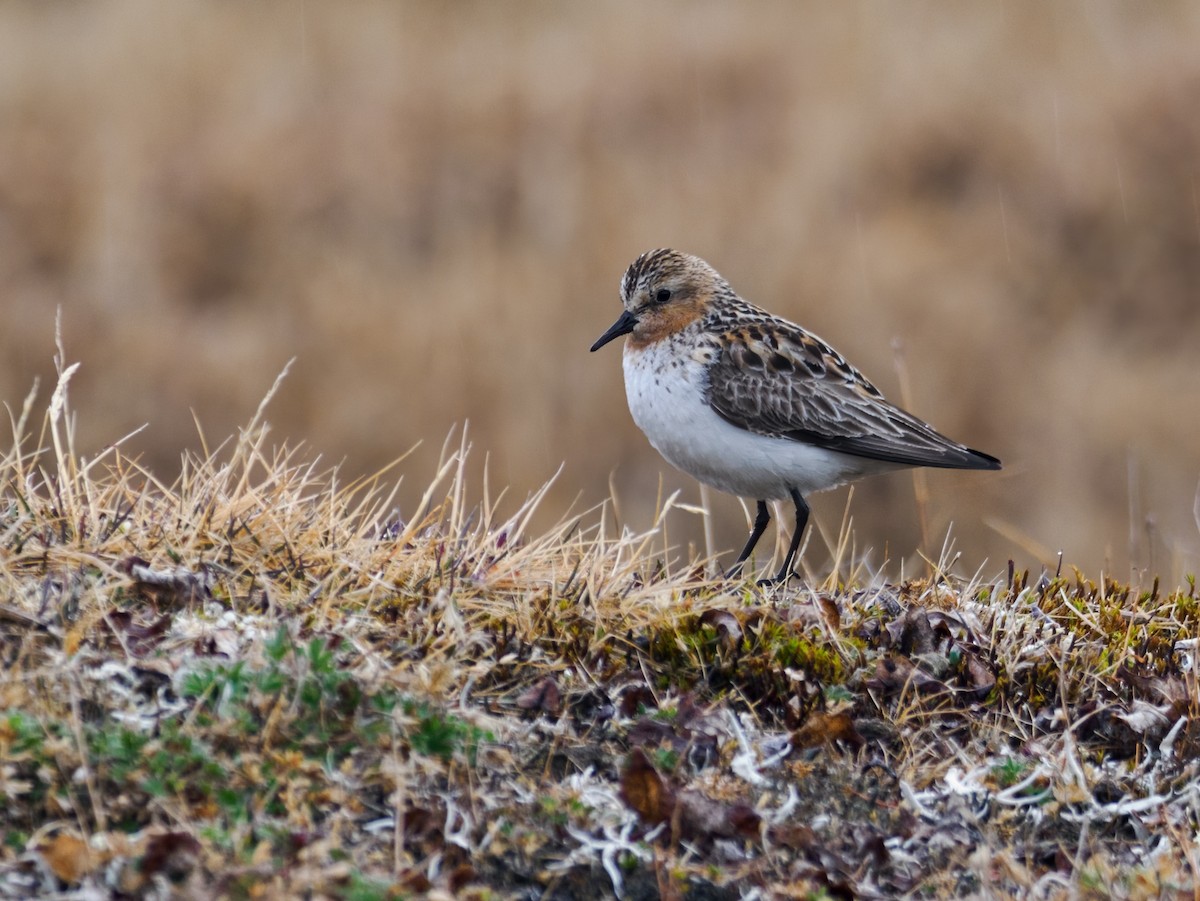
{"points": [[262, 680]]}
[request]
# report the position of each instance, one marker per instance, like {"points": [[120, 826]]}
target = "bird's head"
{"points": [[663, 292]]}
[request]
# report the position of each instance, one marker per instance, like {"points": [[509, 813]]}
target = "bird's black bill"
{"points": [[622, 326]]}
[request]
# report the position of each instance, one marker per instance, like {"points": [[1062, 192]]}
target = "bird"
{"points": [[752, 404]]}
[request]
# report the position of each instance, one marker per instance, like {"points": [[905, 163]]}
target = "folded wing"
{"points": [[779, 380]]}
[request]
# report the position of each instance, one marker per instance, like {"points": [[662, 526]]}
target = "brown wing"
{"points": [[773, 378]]}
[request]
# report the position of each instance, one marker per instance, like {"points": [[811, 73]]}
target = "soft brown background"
{"points": [[431, 205]]}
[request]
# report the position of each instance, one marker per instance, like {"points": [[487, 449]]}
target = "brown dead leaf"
{"points": [[544, 697], [69, 857], [692, 815], [645, 792], [829, 611], [635, 698], [823, 728]]}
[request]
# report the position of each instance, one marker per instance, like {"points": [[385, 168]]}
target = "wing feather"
{"points": [[773, 378]]}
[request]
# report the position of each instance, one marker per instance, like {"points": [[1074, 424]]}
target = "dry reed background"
{"points": [[431, 206]]}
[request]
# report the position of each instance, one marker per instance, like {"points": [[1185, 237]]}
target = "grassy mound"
{"points": [[261, 682]]}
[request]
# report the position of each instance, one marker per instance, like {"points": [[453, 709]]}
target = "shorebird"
{"points": [[753, 404]]}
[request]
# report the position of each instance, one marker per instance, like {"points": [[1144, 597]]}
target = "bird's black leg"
{"points": [[785, 571], [760, 525]]}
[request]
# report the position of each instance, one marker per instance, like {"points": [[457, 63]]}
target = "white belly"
{"points": [[666, 393]]}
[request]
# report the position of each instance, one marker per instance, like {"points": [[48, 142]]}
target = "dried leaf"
{"points": [[692, 815], [644, 791], [829, 610], [69, 857], [636, 698], [823, 728], [544, 697]]}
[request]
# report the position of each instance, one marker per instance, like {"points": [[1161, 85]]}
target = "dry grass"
{"points": [[259, 680], [431, 206]]}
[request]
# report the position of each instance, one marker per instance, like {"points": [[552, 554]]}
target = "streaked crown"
{"points": [[663, 276]]}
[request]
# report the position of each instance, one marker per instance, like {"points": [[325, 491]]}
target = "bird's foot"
{"points": [[779, 579], [783, 576]]}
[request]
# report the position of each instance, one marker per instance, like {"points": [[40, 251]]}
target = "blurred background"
{"points": [[992, 209]]}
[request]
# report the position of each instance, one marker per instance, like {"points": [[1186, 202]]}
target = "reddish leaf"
{"points": [[543, 697], [69, 857], [645, 792], [829, 610], [821, 728], [692, 815], [635, 698]]}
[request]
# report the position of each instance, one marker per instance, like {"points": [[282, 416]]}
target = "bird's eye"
{"points": [[662, 295]]}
